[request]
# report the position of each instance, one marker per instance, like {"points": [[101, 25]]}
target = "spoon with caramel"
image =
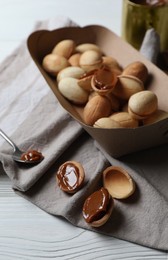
{"points": [[29, 157]]}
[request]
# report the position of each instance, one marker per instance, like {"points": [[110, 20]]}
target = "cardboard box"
{"points": [[116, 142]]}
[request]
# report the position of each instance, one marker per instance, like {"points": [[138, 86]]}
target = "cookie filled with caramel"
{"points": [[70, 176], [104, 80], [98, 207]]}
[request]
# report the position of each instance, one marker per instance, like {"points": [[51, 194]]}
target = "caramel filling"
{"points": [[104, 79], [32, 155], [68, 177], [96, 205]]}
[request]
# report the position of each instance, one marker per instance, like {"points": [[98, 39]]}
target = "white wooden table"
{"points": [[26, 232]]}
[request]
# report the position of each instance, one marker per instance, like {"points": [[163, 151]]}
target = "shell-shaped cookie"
{"points": [[70, 176], [97, 107], [125, 119], [106, 122], [103, 81], [142, 104], [137, 69], [53, 63], [72, 72], [118, 182], [74, 59], [64, 48], [155, 117], [98, 207], [87, 47], [70, 89], [127, 86], [90, 60]]}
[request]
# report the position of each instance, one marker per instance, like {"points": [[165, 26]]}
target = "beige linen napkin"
{"points": [[140, 219], [150, 47], [21, 103]]}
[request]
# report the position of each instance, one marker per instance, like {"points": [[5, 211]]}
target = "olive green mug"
{"points": [[138, 18]]}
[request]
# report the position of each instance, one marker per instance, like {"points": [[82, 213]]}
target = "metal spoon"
{"points": [[17, 153]]}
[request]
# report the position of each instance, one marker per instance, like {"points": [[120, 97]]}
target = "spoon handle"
{"points": [[8, 140]]}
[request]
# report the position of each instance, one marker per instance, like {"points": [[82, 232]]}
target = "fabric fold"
{"points": [[30, 114], [150, 47], [47, 135]]}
